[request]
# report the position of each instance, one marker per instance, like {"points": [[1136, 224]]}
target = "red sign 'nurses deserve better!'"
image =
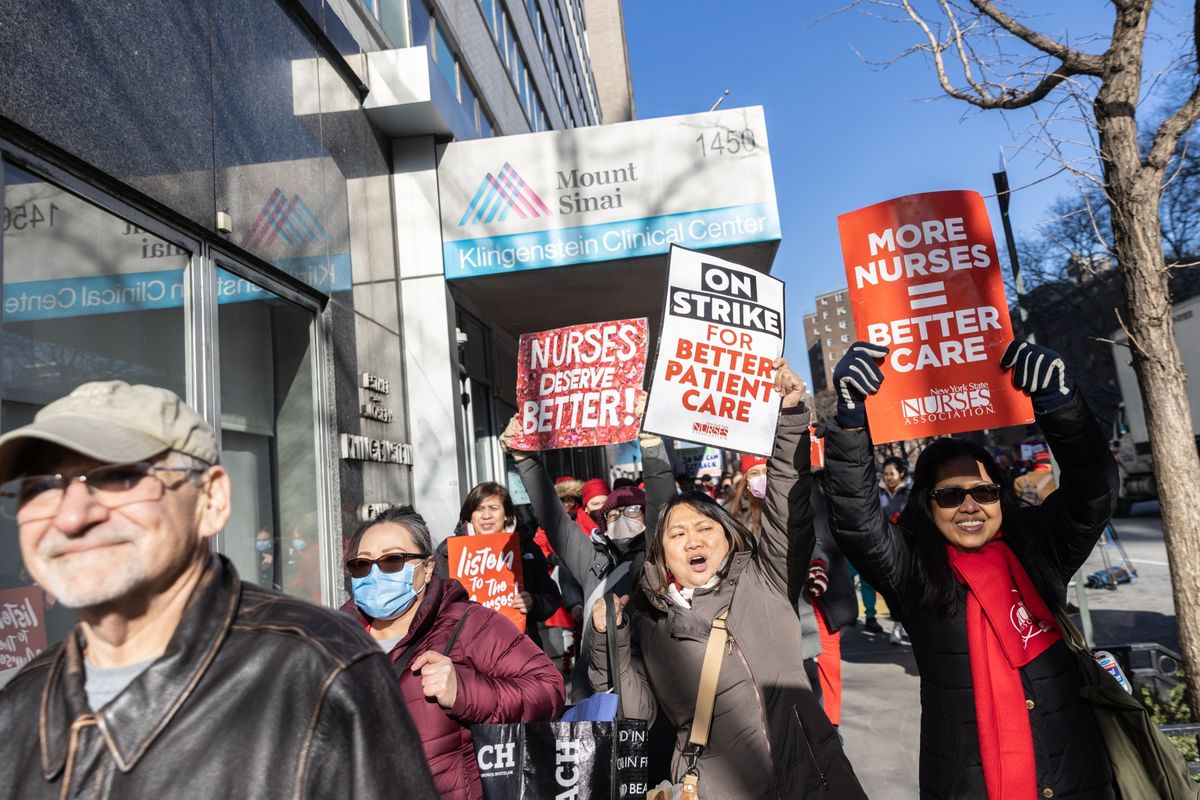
{"points": [[925, 281]]}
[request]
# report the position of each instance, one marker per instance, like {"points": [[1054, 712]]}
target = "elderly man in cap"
{"points": [[179, 681]]}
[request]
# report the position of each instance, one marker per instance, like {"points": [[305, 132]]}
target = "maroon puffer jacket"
{"points": [[502, 677]]}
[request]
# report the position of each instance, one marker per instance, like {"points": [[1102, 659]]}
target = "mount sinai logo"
{"points": [[500, 194]]}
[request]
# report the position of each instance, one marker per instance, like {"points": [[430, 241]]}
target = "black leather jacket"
{"points": [[258, 696]]}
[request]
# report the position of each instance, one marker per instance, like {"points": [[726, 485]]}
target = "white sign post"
{"points": [[713, 377]]}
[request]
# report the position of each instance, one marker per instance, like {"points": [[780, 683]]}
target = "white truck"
{"points": [[1130, 442]]}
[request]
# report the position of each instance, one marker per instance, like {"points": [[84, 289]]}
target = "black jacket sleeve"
{"points": [[875, 546], [1068, 523], [535, 576]]}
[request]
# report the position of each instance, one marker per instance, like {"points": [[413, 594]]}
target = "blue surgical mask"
{"points": [[263, 545], [384, 595], [758, 486], [299, 544]]}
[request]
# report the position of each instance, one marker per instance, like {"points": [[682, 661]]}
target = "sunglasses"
{"points": [[392, 562], [953, 496]]}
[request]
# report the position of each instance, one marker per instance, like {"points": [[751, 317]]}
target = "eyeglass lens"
{"points": [[36, 497], [391, 563]]}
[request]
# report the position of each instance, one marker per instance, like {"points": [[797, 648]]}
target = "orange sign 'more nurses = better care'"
{"points": [[925, 281]]}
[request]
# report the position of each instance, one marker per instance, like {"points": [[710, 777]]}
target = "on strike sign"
{"points": [[713, 377], [924, 280], [578, 386], [488, 565]]}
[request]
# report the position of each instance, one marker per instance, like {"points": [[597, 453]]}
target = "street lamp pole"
{"points": [[1000, 179]]}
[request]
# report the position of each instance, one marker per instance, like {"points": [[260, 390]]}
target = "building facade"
{"points": [[828, 332], [253, 206]]}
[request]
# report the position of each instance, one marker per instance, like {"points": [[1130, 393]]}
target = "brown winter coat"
{"points": [[770, 738]]}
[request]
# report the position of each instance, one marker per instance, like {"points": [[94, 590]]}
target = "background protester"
{"points": [[893, 497], [489, 509], [601, 563], [831, 590], [1036, 485], [595, 493], [459, 664], [1002, 714], [179, 680], [769, 736]]}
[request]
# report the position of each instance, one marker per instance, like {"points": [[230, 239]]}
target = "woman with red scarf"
{"points": [[976, 579]]}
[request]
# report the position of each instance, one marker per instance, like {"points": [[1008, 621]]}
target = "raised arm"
{"points": [[574, 548], [786, 542], [1073, 517], [875, 546], [658, 477]]}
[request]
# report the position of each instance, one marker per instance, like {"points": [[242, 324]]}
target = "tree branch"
{"points": [[1167, 136], [1075, 62]]}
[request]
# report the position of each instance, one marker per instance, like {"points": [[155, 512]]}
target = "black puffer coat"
{"points": [[839, 604], [1070, 755]]}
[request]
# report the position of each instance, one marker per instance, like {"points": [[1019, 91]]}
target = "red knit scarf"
{"points": [[1008, 626]]}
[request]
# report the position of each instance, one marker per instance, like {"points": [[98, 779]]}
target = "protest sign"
{"points": [[578, 386], [713, 377], [816, 448], [489, 568], [22, 632], [697, 462], [924, 280]]}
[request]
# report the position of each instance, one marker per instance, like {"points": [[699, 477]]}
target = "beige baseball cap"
{"points": [[113, 422]]}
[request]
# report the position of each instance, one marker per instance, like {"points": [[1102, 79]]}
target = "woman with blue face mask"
{"points": [[458, 664]]}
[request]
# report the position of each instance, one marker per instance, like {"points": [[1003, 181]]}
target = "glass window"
{"points": [[486, 128], [508, 50], [444, 57], [87, 296], [488, 7], [268, 436], [467, 95], [420, 22]]}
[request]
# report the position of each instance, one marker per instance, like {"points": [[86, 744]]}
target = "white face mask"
{"points": [[625, 528], [758, 486]]}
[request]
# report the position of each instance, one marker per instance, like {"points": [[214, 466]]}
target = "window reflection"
{"points": [[268, 438], [72, 270]]}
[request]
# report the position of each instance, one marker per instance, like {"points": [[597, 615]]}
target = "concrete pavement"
{"points": [[881, 691]]}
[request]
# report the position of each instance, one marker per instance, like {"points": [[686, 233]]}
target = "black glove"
{"points": [[855, 377], [1040, 373]]}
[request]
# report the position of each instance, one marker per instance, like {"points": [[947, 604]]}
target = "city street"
{"points": [[881, 708]]}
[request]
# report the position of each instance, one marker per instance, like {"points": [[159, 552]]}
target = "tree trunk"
{"points": [[1163, 384]]}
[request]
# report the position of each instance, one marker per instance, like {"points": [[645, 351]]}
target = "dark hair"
{"points": [[896, 462], [404, 516], [932, 575], [619, 482], [736, 534], [482, 492]]}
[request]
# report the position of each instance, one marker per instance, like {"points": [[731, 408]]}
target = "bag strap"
{"points": [[706, 696], [1042, 483], [614, 662], [457, 630], [400, 665]]}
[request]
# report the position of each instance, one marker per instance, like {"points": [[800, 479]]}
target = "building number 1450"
{"points": [[725, 142]]}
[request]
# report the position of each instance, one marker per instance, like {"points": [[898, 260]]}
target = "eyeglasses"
{"points": [[390, 563], [953, 496], [38, 497], [628, 511]]}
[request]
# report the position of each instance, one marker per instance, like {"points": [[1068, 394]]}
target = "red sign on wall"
{"points": [[924, 280], [488, 565], [579, 386]]}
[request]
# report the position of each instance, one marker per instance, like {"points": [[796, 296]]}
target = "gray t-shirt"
{"points": [[102, 685], [386, 645]]}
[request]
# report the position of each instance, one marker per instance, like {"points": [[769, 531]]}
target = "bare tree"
{"points": [[994, 60]]}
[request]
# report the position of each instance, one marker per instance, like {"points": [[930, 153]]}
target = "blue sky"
{"points": [[843, 134]]}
